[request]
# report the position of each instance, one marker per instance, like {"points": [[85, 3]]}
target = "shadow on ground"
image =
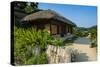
{"points": [[81, 57], [77, 56]]}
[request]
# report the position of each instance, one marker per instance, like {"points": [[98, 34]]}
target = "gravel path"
{"points": [[85, 52]]}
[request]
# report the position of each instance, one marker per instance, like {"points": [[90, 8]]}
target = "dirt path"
{"points": [[82, 45], [77, 52]]}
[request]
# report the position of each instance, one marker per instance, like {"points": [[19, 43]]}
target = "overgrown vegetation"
{"points": [[81, 32], [93, 36], [26, 7], [25, 42], [85, 32]]}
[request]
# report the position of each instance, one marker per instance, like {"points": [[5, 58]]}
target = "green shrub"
{"points": [[57, 42], [24, 42], [93, 37], [94, 43], [41, 59]]}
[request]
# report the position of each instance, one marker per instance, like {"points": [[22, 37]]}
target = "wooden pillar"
{"points": [[68, 29], [71, 30], [50, 29], [57, 29]]}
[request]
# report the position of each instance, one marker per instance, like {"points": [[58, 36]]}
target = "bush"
{"points": [[93, 33], [25, 40], [41, 59], [94, 43], [57, 42]]}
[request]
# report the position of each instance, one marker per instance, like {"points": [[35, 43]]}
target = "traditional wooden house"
{"points": [[50, 20]]}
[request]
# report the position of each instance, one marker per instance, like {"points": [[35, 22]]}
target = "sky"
{"points": [[82, 16]]}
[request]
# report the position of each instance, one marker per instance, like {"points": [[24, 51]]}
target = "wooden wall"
{"points": [[55, 27], [47, 27], [51, 28]]}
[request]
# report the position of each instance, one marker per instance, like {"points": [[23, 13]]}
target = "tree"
{"points": [[20, 5], [93, 37], [27, 7], [34, 5]]}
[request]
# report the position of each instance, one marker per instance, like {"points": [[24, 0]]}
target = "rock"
{"points": [[57, 54]]}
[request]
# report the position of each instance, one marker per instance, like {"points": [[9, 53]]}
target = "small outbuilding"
{"points": [[50, 20]]}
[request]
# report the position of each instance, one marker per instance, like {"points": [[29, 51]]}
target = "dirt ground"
{"points": [[86, 53]]}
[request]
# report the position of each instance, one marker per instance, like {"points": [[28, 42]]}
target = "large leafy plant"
{"points": [[26, 40]]}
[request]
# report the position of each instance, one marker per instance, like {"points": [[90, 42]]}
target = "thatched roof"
{"points": [[47, 14]]}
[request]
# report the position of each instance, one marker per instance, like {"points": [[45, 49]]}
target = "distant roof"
{"points": [[47, 14]]}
